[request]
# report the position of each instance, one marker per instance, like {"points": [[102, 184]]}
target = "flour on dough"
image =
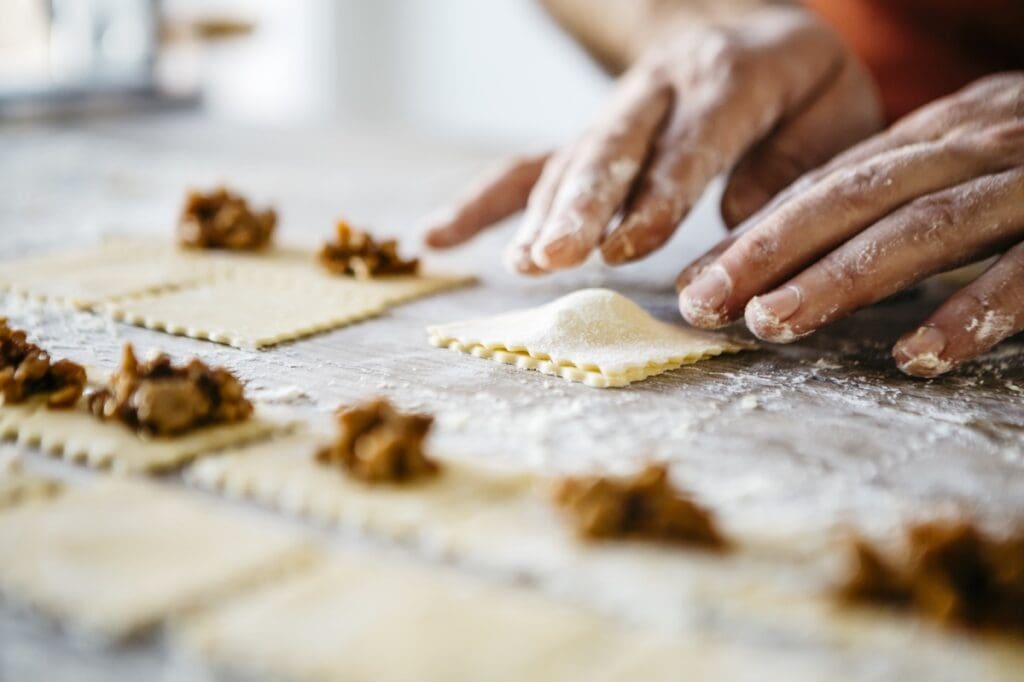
{"points": [[78, 436], [255, 312], [115, 556], [354, 618], [284, 475], [114, 270], [594, 336]]}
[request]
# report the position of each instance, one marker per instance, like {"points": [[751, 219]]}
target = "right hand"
{"points": [[770, 95]]}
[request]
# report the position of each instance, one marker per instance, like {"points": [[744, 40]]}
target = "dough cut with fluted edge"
{"points": [[78, 436], [283, 474], [116, 556], [86, 278], [18, 485], [594, 336], [245, 311]]}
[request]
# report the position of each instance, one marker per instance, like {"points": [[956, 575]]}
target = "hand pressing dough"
{"points": [[255, 312], [116, 556], [78, 436], [118, 269], [594, 336], [283, 474], [358, 619]]}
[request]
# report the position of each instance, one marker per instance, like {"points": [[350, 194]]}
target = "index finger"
{"points": [[500, 193]]}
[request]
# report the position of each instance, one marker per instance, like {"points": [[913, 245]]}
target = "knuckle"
{"points": [[995, 83], [759, 247], [931, 214], [841, 272], [1015, 258], [722, 54], [854, 190]]}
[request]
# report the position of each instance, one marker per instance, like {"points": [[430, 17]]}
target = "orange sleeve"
{"points": [[919, 50]]}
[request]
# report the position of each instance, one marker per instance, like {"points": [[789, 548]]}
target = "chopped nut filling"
{"points": [[157, 398], [645, 505], [26, 370], [222, 220], [951, 572], [357, 253], [377, 444]]}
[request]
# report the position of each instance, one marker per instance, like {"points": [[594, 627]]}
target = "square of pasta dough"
{"points": [[594, 336], [353, 619], [116, 556], [78, 436], [88, 277], [255, 312], [18, 485], [283, 474]]}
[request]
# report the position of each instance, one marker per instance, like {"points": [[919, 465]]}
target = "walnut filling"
{"points": [[377, 444], [222, 220], [645, 505], [357, 253], [26, 370], [157, 398], [951, 572]]}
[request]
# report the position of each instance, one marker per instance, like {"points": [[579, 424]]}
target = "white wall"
{"points": [[498, 72]]}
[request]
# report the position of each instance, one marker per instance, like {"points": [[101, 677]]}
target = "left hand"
{"points": [[941, 188]]}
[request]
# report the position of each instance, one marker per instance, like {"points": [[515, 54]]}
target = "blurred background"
{"points": [[500, 72], [376, 110]]}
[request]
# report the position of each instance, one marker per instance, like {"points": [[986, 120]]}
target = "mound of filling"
{"points": [[645, 505], [952, 572], [223, 220], [158, 398], [356, 253], [378, 444], [26, 370]]}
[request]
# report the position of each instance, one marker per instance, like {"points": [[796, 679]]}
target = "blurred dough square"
{"points": [[283, 474], [353, 619], [116, 556]]}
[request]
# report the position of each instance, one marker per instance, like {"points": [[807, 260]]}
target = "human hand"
{"points": [[942, 187], [770, 96]]}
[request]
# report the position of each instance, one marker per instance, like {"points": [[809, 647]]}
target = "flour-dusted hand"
{"points": [[943, 187], [769, 94]]}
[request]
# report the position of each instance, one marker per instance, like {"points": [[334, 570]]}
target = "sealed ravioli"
{"points": [[594, 336]]}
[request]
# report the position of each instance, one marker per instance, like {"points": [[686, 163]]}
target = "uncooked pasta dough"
{"points": [[255, 312], [115, 556], [78, 436], [594, 336]]}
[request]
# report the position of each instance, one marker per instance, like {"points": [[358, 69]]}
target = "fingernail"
{"points": [[556, 253], [709, 290], [781, 304], [618, 249], [919, 353], [517, 259]]}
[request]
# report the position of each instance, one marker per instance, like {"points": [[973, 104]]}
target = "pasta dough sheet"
{"points": [[78, 436], [118, 269], [283, 474], [593, 336], [256, 312], [116, 556], [367, 620], [487, 519], [17, 485], [504, 523]]}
